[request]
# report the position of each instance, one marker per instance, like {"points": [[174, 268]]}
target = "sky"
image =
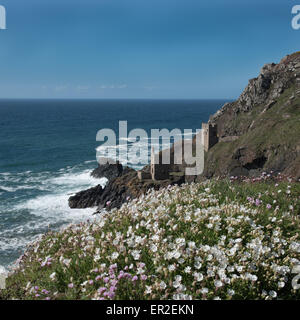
{"points": [[140, 49]]}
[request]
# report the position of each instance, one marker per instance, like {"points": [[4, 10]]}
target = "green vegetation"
{"points": [[223, 239]]}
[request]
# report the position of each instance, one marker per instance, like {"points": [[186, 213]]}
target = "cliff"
{"points": [[260, 131]]}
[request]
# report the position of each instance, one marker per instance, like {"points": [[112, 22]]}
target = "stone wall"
{"points": [[210, 135], [159, 171]]}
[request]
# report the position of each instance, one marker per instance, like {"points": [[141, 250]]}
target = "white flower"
{"points": [[162, 285], [136, 254], [273, 294], [230, 268], [204, 290], [148, 289], [230, 292], [115, 255], [209, 257], [187, 269], [192, 244], [171, 267], [239, 268], [96, 257], [66, 262], [176, 254], [178, 278], [254, 277], [153, 248], [198, 276], [52, 276], [218, 283]]}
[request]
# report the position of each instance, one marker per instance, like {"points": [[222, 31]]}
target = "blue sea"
{"points": [[48, 149]]}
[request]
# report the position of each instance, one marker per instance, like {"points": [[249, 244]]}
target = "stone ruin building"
{"points": [[159, 171]]}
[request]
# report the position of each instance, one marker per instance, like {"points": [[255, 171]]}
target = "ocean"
{"points": [[48, 149]]}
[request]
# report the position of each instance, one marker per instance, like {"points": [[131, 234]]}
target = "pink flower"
{"points": [[112, 288], [111, 295], [143, 277], [134, 278], [269, 206], [98, 278], [114, 282], [91, 282], [71, 285], [102, 289], [106, 279]]}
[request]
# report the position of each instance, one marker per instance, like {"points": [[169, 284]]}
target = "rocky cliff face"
{"points": [[265, 90], [264, 124]]}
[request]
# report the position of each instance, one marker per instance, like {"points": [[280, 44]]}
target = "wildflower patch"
{"points": [[214, 240]]}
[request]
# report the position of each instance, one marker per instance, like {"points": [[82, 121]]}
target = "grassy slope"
{"points": [[204, 225]]}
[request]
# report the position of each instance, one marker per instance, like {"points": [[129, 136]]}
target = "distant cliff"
{"points": [[260, 131]]}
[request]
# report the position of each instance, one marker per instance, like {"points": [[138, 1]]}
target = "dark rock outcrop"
{"points": [[128, 187], [122, 186], [110, 170], [87, 198]]}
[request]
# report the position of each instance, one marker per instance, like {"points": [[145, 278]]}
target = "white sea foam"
{"points": [[8, 189], [76, 179], [90, 161], [50, 209], [11, 189]]}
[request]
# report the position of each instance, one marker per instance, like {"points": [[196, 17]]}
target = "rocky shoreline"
{"points": [[121, 187]]}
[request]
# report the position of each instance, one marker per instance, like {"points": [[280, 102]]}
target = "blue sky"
{"points": [[140, 48]]}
